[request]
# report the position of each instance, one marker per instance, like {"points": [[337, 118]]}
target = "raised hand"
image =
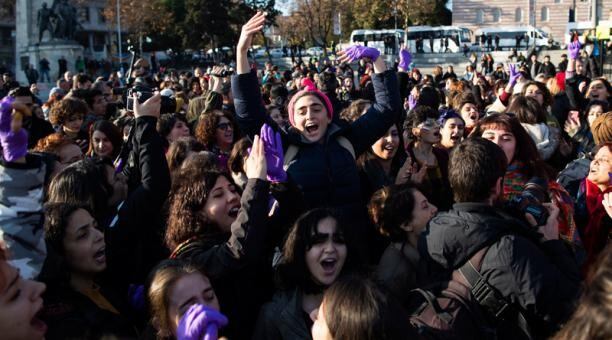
{"points": [[151, 107], [200, 322], [412, 102], [256, 162], [514, 75], [573, 49], [13, 138], [273, 148], [405, 58], [356, 52], [254, 25]]}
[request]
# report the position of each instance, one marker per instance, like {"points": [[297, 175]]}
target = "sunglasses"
{"points": [[224, 126]]}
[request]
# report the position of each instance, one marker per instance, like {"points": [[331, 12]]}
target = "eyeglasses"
{"points": [[224, 126]]}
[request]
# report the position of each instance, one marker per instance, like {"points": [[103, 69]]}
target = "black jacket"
{"points": [[135, 232], [239, 272], [540, 277], [37, 129], [548, 69], [283, 318], [72, 315]]}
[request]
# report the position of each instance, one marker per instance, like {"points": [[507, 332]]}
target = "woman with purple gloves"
{"points": [[321, 152], [226, 232]]}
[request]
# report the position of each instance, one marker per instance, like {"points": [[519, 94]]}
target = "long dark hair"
{"points": [[293, 271], [112, 133], [84, 182]]}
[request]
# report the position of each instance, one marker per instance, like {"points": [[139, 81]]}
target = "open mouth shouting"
{"points": [[233, 212], [329, 266], [100, 256], [36, 323], [311, 129]]}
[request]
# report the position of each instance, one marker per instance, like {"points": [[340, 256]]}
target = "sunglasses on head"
{"points": [[224, 126]]}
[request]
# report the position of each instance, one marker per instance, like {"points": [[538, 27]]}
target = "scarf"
{"points": [[514, 184], [594, 238]]}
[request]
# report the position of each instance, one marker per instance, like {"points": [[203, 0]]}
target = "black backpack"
{"points": [[465, 307]]}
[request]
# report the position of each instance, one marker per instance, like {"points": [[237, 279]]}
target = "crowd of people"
{"points": [[344, 199]]}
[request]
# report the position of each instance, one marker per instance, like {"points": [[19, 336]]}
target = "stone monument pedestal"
{"points": [[52, 51], [34, 43]]}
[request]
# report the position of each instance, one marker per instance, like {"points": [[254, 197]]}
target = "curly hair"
{"points": [[53, 143], [190, 190], [67, 108], [206, 131], [355, 110]]}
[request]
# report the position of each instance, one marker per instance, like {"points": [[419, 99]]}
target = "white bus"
{"points": [[455, 35], [507, 37], [377, 39]]}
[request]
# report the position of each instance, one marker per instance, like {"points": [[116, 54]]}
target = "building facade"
{"points": [[551, 16]]}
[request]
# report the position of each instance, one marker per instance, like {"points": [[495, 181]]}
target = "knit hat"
{"points": [[602, 128], [309, 89]]}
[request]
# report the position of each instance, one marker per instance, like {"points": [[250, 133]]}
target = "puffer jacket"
{"points": [[283, 318], [326, 172], [541, 277]]}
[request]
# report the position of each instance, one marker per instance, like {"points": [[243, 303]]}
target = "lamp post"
{"points": [[119, 36]]}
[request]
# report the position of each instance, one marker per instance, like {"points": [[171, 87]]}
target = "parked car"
{"points": [[314, 51]]}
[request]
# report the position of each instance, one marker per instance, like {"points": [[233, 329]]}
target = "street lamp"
{"points": [[119, 35]]}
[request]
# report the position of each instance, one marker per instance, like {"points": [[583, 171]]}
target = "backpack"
{"points": [[465, 307]]}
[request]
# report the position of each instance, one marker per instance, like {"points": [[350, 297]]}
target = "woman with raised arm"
{"points": [[319, 153]]}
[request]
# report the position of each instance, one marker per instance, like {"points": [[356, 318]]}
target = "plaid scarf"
{"points": [[514, 184]]}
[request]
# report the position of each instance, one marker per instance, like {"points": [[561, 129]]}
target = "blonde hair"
{"points": [[553, 86]]}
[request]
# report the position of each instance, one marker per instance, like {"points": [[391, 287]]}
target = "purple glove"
{"points": [[273, 146], [574, 49], [514, 75], [412, 102], [405, 59], [14, 144], [200, 322], [358, 52]]}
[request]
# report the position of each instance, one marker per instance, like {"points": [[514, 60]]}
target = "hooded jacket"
{"points": [[541, 277]]}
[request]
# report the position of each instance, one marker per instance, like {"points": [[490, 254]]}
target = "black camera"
{"points": [[531, 200], [168, 104]]}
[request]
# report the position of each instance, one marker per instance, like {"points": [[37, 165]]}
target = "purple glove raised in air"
{"points": [[412, 102], [200, 322], [14, 143], [405, 59], [273, 147], [358, 52], [514, 75], [574, 49]]}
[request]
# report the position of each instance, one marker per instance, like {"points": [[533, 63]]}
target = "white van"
{"points": [[507, 36]]}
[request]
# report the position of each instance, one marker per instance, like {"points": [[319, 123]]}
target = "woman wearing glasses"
{"points": [[216, 132]]}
